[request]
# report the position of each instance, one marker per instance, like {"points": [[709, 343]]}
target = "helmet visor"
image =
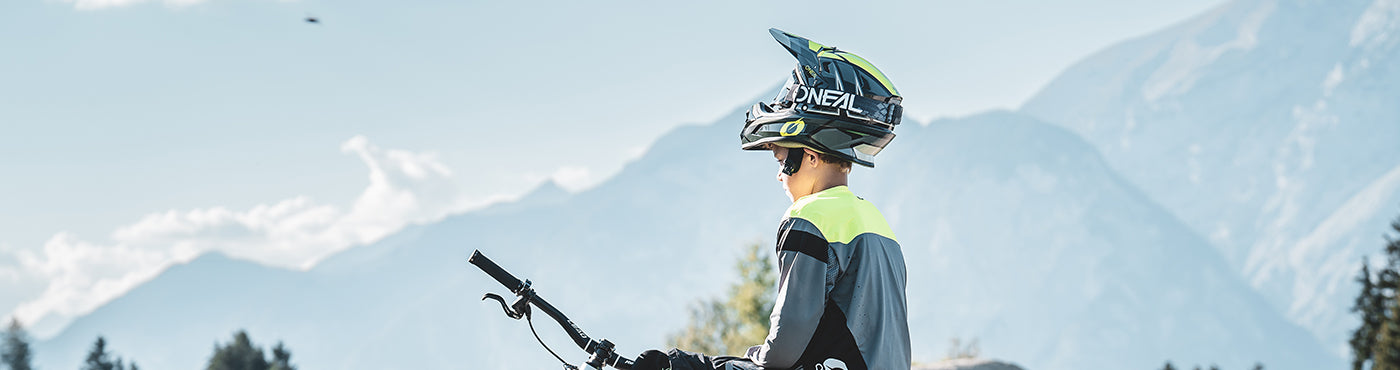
{"points": [[779, 101], [785, 89]]}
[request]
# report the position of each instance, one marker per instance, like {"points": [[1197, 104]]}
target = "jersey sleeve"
{"points": [[801, 299]]}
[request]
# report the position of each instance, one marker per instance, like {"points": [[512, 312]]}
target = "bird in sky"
{"points": [[312, 19]]}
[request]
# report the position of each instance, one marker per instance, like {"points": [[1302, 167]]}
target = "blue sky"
{"points": [[134, 134]]}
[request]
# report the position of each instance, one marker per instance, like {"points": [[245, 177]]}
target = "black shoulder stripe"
{"points": [[803, 242]]}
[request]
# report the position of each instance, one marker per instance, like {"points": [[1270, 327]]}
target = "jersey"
{"points": [[841, 289]]}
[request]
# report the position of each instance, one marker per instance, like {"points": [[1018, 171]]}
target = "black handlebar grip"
{"points": [[496, 272]]}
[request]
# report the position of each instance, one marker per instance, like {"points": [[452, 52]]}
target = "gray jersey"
{"points": [[841, 282]]}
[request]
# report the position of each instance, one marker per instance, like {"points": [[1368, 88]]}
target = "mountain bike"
{"points": [[600, 351]]}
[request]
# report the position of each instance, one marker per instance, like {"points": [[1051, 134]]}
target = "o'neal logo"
{"points": [[792, 128], [825, 98]]}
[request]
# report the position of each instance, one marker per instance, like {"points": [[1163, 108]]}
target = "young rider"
{"points": [[841, 300]]}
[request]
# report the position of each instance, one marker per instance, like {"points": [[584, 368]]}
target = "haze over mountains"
{"points": [[1270, 127], [1201, 195], [1015, 231]]}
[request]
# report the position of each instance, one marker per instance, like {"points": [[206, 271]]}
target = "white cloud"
{"points": [[83, 275], [1334, 78], [404, 187], [573, 178], [636, 152], [1376, 24], [100, 4]]}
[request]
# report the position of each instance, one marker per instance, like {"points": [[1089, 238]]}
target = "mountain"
{"points": [[1269, 126], [412, 301], [188, 307], [1015, 232]]}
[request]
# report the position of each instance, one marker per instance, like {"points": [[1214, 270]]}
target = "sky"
{"points": [[136, 134]]}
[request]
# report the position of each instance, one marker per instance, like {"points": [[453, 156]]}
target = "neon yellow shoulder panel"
{"points": [[840, 215]]}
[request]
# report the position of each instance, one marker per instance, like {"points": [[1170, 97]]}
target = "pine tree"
{"points": [[281, 358], [731, 325], [1385, 354], [1168, 366], [99, 359], [1388, 279], [1377, 305], [240, 354], [1369, 304], [15, 353]]}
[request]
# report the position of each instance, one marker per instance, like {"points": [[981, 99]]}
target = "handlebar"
{"points": [[496, 272], [528, 297]]}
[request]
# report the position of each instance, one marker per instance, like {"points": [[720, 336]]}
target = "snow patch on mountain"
{"points": [[1188, 56], [1327, 258]]}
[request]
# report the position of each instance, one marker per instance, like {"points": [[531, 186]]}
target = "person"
{"points": [[841, 287]]}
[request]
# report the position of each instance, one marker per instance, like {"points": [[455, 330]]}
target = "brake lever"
{"points": [[504, 306]]}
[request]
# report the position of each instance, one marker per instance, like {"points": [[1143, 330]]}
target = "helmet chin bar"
{"points": [[793, 162]]}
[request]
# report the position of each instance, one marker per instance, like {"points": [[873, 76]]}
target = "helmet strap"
{"points": [[793, 162]]}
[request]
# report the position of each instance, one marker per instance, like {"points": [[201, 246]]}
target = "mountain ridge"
{"points": [[681, 214], [1255, 131]]}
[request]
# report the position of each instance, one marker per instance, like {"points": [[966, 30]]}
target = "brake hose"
{"points": [[546, 346]]}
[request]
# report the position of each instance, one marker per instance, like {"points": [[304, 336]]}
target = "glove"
{"points": [[652, 360]]}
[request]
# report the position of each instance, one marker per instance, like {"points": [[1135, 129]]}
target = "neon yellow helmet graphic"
{"points": [[841, 103], [792, 128]]}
